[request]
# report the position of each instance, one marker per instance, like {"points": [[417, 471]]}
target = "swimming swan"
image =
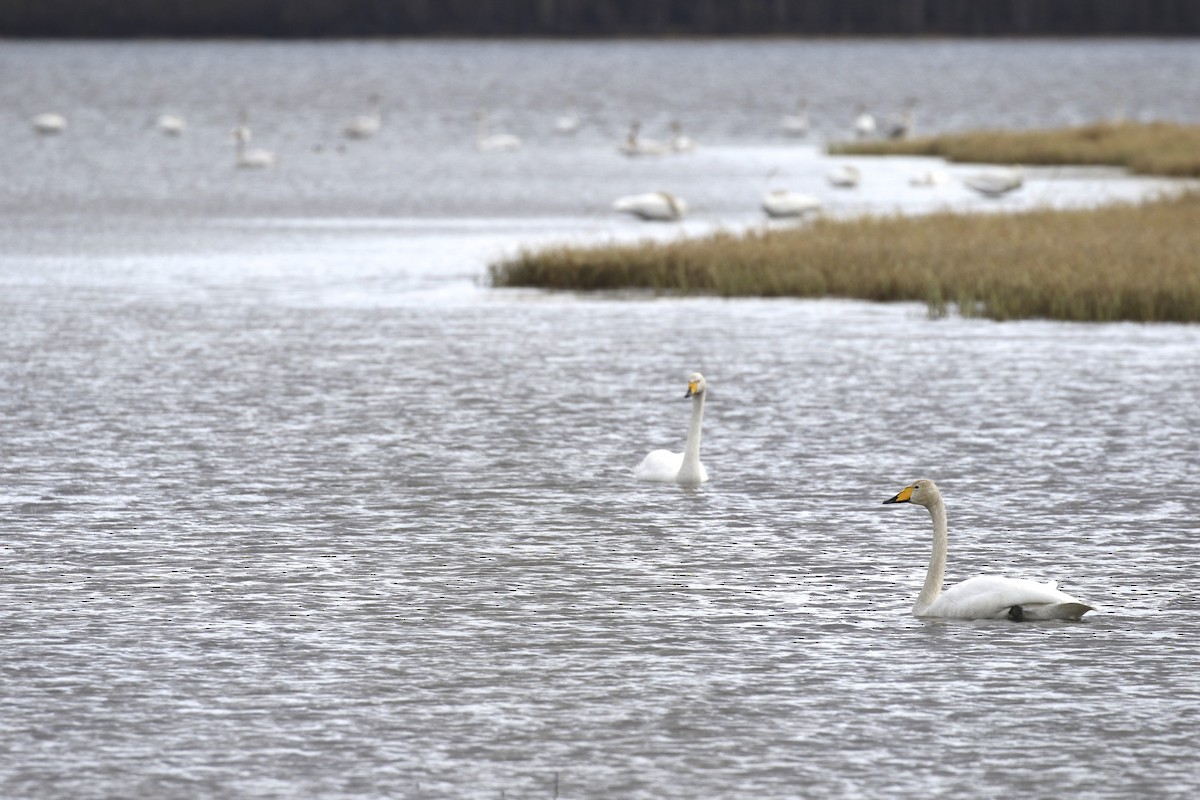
{"points": [[984, 596], [48, 123], [170, 124], [634, 145], [796, 123], [366, 125], [653, 206], [996, 181], [493, 142], [256, 158], [844, 176], [667, 467], [783, 203]]}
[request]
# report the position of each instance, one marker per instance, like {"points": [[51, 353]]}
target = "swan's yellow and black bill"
{"points": [[693, 388], [904, 496]]}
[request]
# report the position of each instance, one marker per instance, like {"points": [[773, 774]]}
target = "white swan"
{"points": [[256, 158], [679, 142], [634, 145], [667, 467], [845, 176], [568, 123], [985, 596], [930, 177], [366, 125], [864, 123], [781, 203], [48, 123], [170, 124], [997, 181], [654, 206], [796, 123], [901, 126], [493, 142]]}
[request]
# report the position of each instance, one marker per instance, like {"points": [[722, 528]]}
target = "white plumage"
{"points": [[666, 467], [986, 596], [653, 206]]}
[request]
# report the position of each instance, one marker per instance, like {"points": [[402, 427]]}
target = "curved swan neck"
{"points": [[691, 450], [937, 562]]}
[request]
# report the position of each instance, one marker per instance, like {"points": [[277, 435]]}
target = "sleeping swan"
{"points": [[667, 467], [985, 596]]}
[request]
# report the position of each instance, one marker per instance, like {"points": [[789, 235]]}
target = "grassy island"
{"points": [[1124, 262], [1147, 148]]}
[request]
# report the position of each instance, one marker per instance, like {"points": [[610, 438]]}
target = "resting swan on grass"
{"points": [[667, 467], [984, 596]]}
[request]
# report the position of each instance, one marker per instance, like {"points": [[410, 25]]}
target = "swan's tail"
{"points": [[1051, 611]]}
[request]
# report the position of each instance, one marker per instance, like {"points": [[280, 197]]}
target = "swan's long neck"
{"points": [[937, 562], [690, 470]]}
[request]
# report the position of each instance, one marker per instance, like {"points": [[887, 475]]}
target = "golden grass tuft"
{"points": [[1148, 148], [1124, 262]]}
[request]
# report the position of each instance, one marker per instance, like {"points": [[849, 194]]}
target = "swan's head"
{"points": [[696, 385], [923, 492]]}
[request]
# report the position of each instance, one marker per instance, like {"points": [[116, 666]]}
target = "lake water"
{"points": [[296, 506]]}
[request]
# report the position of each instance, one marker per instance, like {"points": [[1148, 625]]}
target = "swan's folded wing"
{"points": [[659, 465], [991, 597]]}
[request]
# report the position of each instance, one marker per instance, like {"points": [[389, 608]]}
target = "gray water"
{"points": [[296, 506]]}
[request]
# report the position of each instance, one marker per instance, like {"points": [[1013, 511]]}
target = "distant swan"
{"points": [[844, 176], [864, 123], [667, 467], [494, 142], [679, 142], [901, 126], [170, 124], [49, 123], [256, 158], [366, 125], [996, 181], [796, 123], [780, 203], [655, 206], [568, 123], [634, 145], [985, 596], [930, 177]]}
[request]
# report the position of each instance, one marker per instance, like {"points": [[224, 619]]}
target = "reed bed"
{"points": [[1153, 148], [1124, 262]]}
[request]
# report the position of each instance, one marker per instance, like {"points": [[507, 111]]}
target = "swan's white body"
{"points": [[845, 176], [932, 177], [170, 124], [493, 142], [864, 124], [654, 206], [996, 181], [664, 466], [49, 123], [985, 596], [568, 123], [796, 123], [256, 158], [784, 203], [679, 142], [634, 145], [364, 126], [901, 126]]}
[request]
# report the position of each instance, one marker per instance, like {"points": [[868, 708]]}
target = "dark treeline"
{"points": [[597, 18]]}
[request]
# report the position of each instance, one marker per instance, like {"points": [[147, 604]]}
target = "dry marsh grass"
{"points": [[1125, 262], [1153, 148]]}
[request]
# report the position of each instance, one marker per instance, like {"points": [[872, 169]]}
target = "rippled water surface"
{"points": [[296, 506]]}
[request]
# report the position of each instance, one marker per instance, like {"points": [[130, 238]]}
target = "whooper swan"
{"points": [[170, 124], [667, 467], [366, 125], [783, 203], [635, 145], [984, 596], [49, 123], [652, 206], [256, 158], [796, 123], [844, 176], [493, 142], [996, 181]]}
